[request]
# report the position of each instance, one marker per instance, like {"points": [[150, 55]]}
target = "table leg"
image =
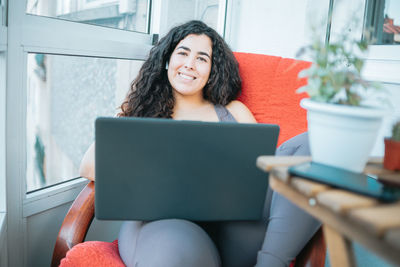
{"points": [[339, 248]]}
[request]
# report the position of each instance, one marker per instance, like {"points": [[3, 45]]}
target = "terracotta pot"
{"points": [[391, 160]]}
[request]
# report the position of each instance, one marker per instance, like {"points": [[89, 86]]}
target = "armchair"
{"points": [[269, 85]]}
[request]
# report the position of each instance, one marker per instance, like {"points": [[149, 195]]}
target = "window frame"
{"points": [[86, 4], [382, 63], [2, 129], [3, 214], [37, 34], [3, 27]]}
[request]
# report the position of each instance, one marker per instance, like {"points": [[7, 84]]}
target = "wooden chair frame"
{"points": [[79, 217]]}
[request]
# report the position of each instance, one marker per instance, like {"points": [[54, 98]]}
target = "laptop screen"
{"points": [[149, 169]]}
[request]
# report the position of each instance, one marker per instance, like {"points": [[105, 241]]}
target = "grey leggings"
{"points": [[275, 241]]}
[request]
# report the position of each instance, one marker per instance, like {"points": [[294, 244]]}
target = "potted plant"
{"points": [[342, 130], [391, 161]]}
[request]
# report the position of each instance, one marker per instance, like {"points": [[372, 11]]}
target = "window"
{"points": [[3, 29], [383, 18], [2, 132], [129, 15], [383, 60], [65, 94], [3, 48], [43, 52], [67, 89], [212, 12], [73, 72], [67, 63]]}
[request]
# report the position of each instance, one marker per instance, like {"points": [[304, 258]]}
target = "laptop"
{"points": [[151, 169]]}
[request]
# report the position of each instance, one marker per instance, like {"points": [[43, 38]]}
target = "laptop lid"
{"points": [[150, 169]]}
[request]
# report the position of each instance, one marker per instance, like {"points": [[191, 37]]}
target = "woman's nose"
{"points": [[190, 63]]}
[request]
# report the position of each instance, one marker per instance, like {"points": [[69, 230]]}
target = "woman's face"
{"points": [[190, 65]]}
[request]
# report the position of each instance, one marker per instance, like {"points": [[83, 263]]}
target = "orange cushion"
{"points": [[269, 90], [93, 254]]}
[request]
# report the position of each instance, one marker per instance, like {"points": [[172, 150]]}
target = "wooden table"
{"points": [[345, 216]]}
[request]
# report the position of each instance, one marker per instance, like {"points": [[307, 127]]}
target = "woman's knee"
{"points": [[173, 243]]}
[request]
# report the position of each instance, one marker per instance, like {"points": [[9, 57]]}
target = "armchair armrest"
{"points": [[76, 224]]}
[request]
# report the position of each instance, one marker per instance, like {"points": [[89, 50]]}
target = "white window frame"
{"points": [[3, 51], [2, 128], [36, 34], [86, 4], [3, 217], [383, 64], [3, 239], [383, 61]]}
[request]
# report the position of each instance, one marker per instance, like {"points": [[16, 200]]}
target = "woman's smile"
{"points": [[186, 76]]}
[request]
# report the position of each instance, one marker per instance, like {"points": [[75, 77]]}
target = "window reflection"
{"points": [[129, 15], [64, 96], [383, 19]]}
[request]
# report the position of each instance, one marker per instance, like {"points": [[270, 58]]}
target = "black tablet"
{"points": [[340, 178]]}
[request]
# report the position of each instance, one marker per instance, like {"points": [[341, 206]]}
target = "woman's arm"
{"points": [[241, 112], [86, 169]]}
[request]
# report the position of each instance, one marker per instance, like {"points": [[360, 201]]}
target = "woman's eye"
{"points": [[202, 59], [182, 53]]}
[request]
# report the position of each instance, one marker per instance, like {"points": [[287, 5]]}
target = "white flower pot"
{"points": [[342, 136]]}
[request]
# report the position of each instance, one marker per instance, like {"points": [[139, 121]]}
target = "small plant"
{"points": [[335, 75], [396, 131]]}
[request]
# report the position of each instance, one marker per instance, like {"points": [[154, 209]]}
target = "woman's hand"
{"points": [[86, 169]]}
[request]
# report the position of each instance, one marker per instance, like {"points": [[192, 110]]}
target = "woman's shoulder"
{"points": [[240, 112]]}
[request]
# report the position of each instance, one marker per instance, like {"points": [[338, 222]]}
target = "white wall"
{"points": [[274, 27]]}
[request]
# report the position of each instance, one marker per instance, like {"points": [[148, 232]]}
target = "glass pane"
{"points": [[383, 19], [65, 95], [2, 132], [178, 12], [129, 15], [2, 12]]}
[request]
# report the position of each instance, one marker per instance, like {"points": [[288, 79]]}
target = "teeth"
{"points": [[186, 76]]}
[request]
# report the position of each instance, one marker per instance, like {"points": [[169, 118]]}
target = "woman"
{"points": [[191, 74]]}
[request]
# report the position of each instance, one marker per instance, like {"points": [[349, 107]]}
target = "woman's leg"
{"points": [[239, 242], [168, 243], [289, 227]]}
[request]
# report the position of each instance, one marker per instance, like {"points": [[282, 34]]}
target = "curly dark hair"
{"points": [[151, 94]]}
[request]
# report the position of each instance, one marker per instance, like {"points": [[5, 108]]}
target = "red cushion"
{"points": [[93, 254], [269, 91]]}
